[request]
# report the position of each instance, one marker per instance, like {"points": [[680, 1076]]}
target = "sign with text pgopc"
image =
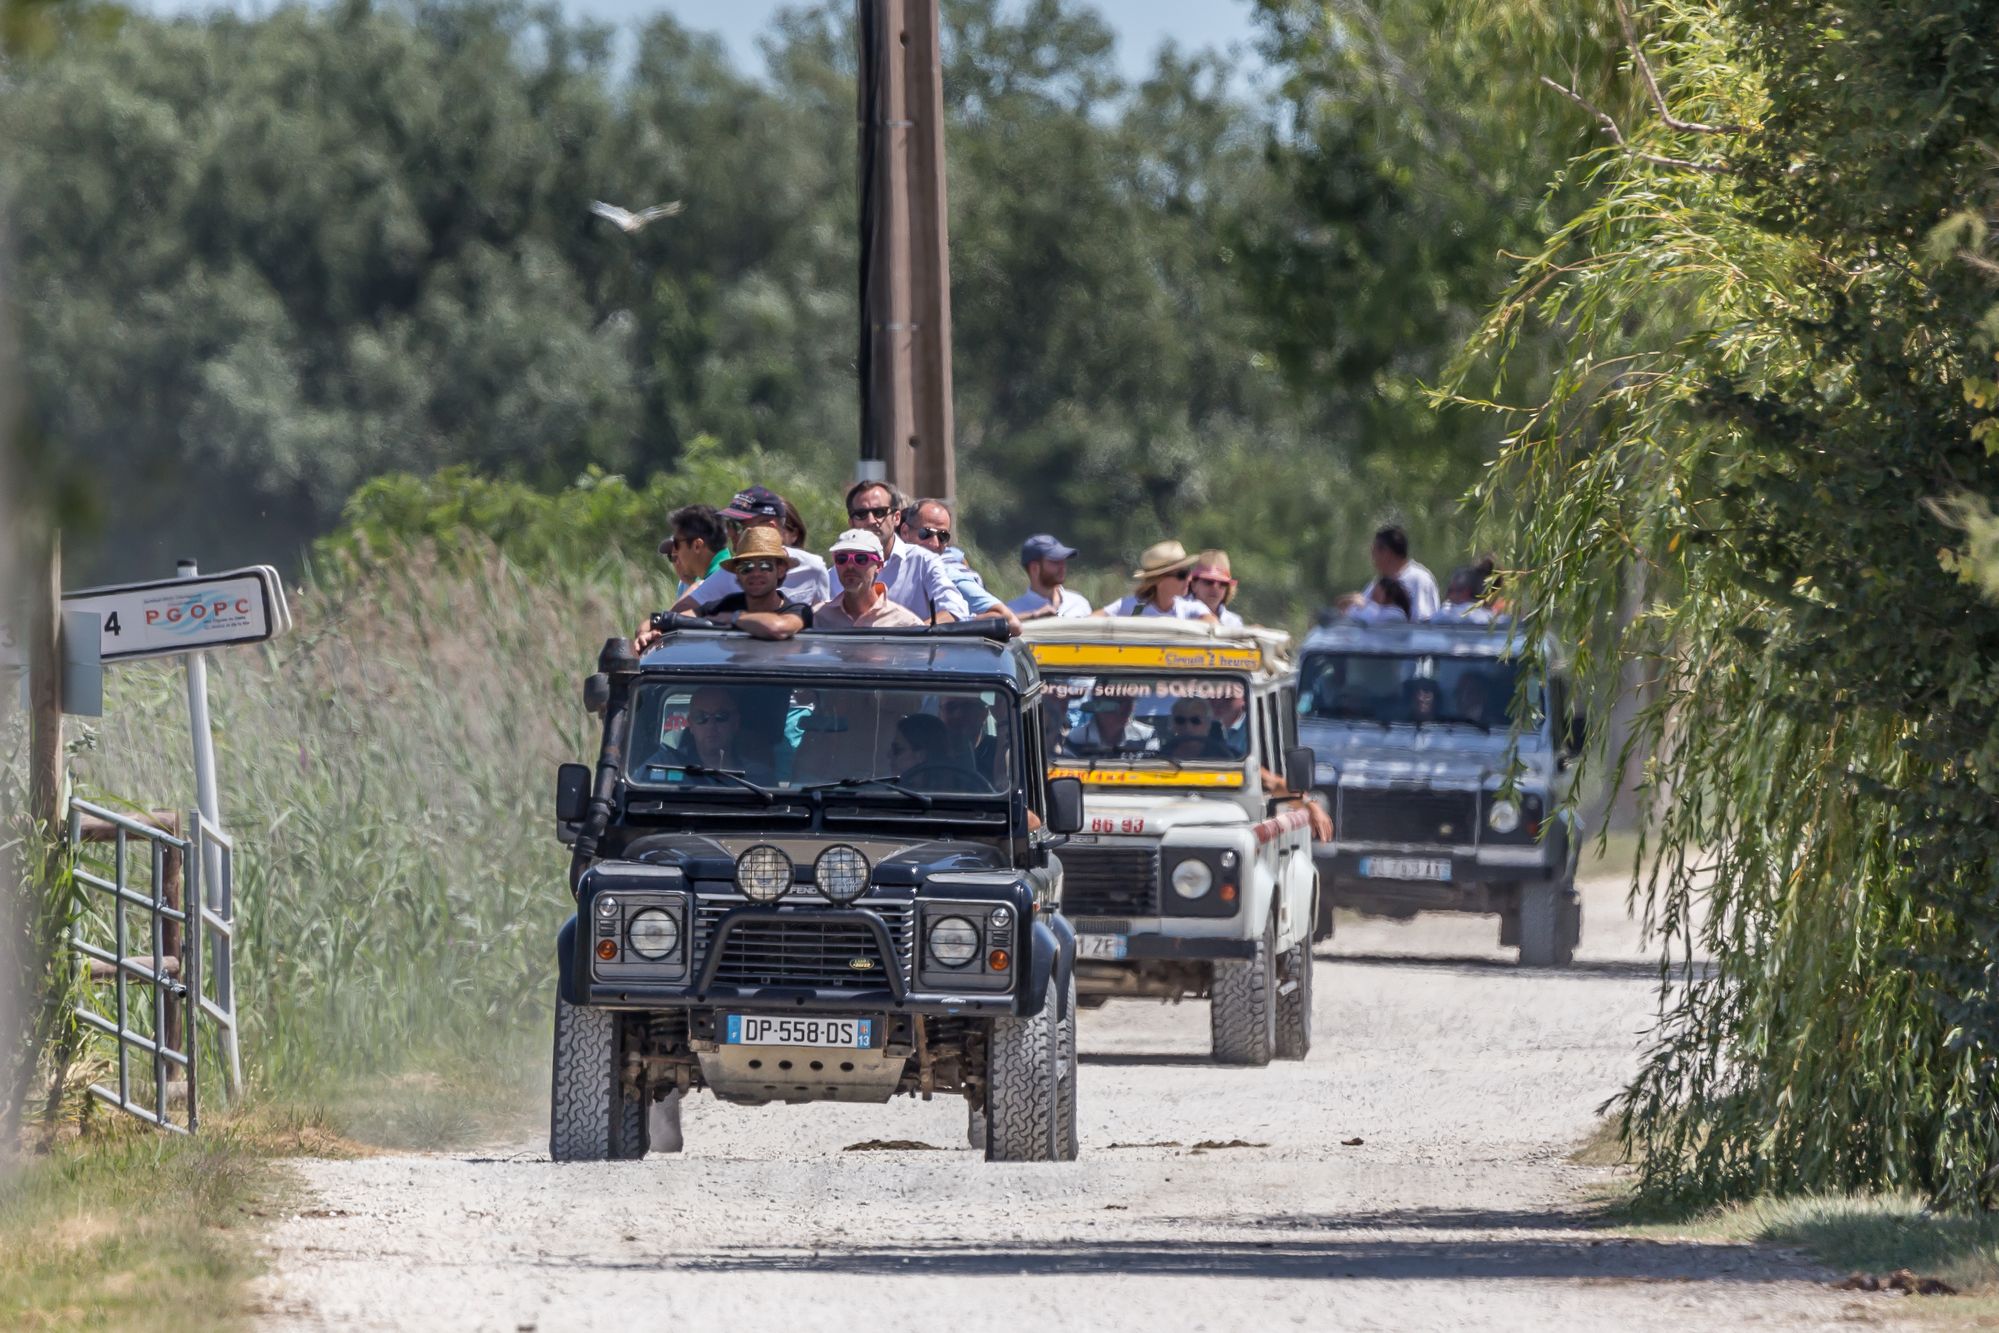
{"points": [[171, 616]]}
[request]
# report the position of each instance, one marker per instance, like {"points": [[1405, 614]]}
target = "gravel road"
{"points": [[1411, 1174]]}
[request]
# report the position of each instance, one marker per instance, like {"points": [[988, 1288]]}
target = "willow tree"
{"points": [[1775, 359]]}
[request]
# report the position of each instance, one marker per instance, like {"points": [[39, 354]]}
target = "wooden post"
{"points": [[907, 423], [44, 663]]}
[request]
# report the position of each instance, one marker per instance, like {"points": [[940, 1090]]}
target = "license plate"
{"points": [[1100, 946], [1406, 867], [770, 1030]]}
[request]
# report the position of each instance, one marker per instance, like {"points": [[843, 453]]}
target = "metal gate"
{"points": [[155, 928]]}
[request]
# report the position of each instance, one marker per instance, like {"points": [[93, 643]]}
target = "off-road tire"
{"points": [[1242, 1005], [1323, 922], [1550, 923], [1021, 1100], [1294, 1005], [1068, 1145], [592, 1117]]}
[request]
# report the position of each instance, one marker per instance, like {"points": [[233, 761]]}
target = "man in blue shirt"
{"points": [[927, 524]]}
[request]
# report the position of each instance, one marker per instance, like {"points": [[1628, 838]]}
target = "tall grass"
{"points": [[387, 771]]}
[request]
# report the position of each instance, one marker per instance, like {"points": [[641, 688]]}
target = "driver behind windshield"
{"points": [[1421, 695], [1111, 729], [714, 737]]}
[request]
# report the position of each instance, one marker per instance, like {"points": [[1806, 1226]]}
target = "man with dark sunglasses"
{"points": [[927, 523], [913, 575]]}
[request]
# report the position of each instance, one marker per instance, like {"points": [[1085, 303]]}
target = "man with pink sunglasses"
{"points": [[863, 602]]}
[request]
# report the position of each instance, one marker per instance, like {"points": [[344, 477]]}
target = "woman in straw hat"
{"points": [[1159, 586], [1213, 586]]}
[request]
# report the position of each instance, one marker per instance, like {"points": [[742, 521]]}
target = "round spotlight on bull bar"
{"points": [[763, 873], [841, 873]]}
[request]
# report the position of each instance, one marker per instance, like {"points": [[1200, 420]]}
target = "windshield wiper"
{"points": [[768, 796], [888, 783]]}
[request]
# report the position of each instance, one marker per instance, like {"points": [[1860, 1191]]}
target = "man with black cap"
{"points": [[755, 508], [1047, 564]]}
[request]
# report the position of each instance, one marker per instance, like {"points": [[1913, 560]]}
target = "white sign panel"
{"points": [[184, 615]]}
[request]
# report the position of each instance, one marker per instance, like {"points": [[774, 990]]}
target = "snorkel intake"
{"points": [[617, 668]]}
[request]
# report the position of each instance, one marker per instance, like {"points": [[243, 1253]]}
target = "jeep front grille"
{"points": [[1407, 814], [1110, 881], [771, 951]]}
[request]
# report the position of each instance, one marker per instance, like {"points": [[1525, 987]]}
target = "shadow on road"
{"points": [[1146, 1060], [1637, 969], [1498, 1258]]}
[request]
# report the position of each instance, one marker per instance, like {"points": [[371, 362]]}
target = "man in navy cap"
{"points": [[1047, 564], [759, 507]]}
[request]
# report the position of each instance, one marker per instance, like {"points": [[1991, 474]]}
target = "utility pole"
{"points": [[907, 427]]}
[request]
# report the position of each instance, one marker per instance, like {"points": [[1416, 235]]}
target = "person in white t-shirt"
{"points": [[1047, 564], [1213, 585], [1390, 553], [1159, 586]]}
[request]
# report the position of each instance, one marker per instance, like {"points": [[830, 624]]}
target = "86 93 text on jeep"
{"points": [[815, 870]]}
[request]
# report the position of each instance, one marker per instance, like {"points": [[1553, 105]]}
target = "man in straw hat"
{"points": [[1159, 586], [763, 607], [1213, 586]]}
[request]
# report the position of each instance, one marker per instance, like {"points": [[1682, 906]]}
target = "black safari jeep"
{"points": [[816, 869]]}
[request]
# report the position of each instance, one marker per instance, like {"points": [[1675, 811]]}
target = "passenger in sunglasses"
{"points": [[1191, 731], [912, 575], [863, 602], [927, 523], [1159, 586], [763, 609]]}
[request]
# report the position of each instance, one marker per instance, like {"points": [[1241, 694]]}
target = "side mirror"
{"points": [[572, 792], [1578, 733], [1065, 805], [597, 693], [1300, 765]]}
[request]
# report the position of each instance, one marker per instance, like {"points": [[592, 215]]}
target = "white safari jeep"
{"points": [[1187, 877]]}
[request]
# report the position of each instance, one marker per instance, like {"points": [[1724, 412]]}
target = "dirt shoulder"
{"points": [[1465, 1080]]}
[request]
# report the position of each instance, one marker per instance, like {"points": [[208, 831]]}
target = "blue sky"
{"points": [[1141, 25]]}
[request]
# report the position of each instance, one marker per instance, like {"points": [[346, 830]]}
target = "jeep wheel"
{"points": [[1021, 1097], [591, 1117], [1242, 1006], [1294, 1002], [1067, 1144], [1551, 919]]}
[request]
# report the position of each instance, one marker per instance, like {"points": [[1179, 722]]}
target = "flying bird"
{"points": [[633, 223]]}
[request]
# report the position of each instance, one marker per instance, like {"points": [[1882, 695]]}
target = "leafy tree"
{"points": [[1763, 395]]}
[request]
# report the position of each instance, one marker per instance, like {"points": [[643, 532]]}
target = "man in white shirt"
{"points": [[1047, 564], [756, 507], [1390, 553], [914, 577]]}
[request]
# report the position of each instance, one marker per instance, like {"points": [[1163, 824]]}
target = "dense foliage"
{"points": [[1778, 349], [264, 260]]}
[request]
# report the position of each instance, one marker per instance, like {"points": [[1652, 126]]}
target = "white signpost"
{"points": [[185, 617]]}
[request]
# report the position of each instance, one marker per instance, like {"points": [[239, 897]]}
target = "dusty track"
{"points": [[1466, 1080]]}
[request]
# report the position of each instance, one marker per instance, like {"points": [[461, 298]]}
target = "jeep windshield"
{"points": [[1412, 690], [1146, 719], [730, 739]]}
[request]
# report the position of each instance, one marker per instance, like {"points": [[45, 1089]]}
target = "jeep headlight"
{"points": [[841, 873], [1502, 817], [1192, 878], [763, 873], [953, 941], [653, 934]]}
